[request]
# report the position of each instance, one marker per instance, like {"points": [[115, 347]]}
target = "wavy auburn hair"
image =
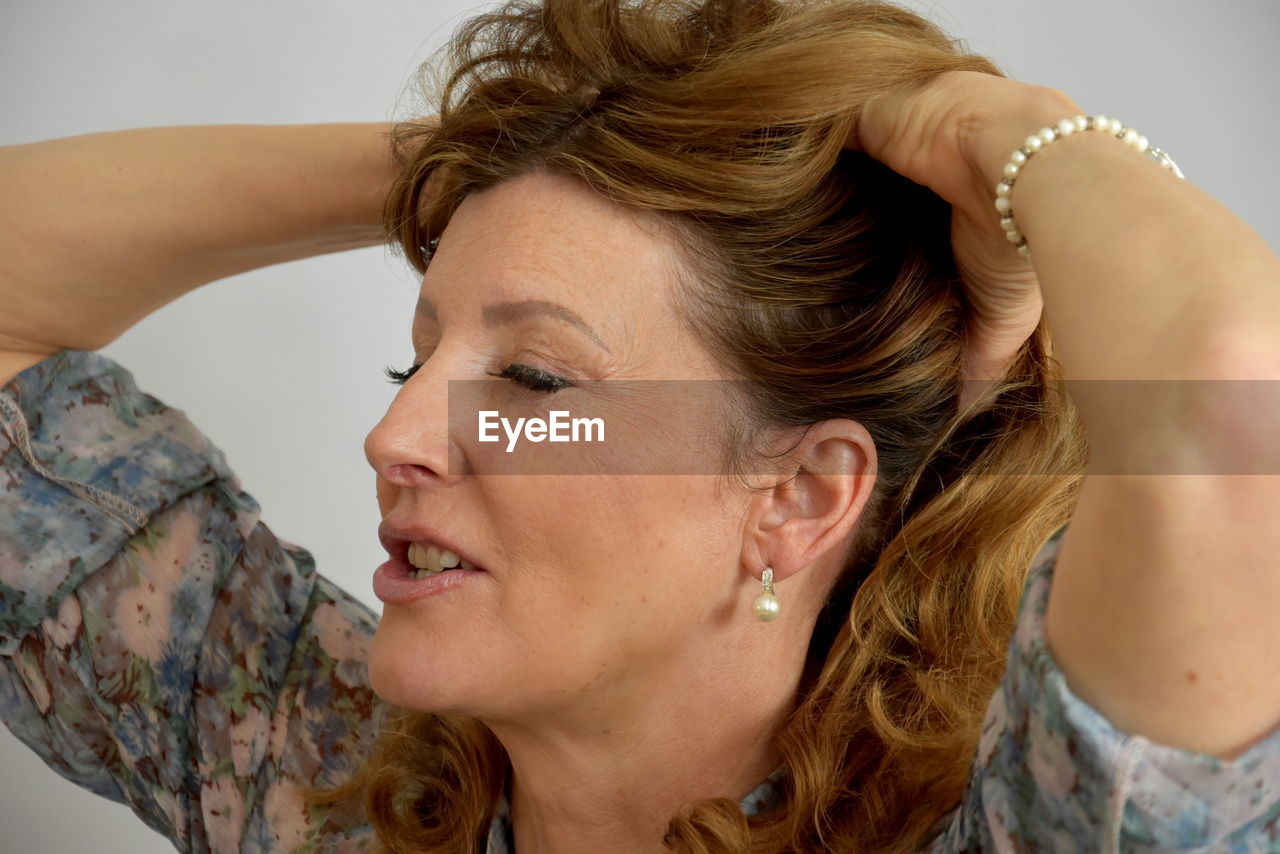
{"points": [[828, 282]]}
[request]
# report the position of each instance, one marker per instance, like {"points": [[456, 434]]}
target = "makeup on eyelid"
{"points": [[535, 370]]}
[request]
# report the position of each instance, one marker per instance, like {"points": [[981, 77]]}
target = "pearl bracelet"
{"points": [[1037, 141]]}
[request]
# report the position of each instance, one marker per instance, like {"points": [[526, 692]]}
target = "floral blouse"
{"points": [[161, 647]]}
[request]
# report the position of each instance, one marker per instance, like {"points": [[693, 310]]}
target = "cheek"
{"points": [[619, 562]]}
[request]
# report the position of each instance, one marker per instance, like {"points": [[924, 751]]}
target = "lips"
{"points": [[398, 582], [394, 585]]}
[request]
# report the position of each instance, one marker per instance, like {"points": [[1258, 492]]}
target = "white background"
{"points": [[282, 367]]}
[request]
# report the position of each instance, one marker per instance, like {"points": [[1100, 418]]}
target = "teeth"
{"points": [[423, 560], [430, 560]]}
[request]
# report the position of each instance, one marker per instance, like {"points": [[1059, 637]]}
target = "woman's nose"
{"points": [[410, 445]]}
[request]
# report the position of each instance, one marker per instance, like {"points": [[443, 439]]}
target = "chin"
{"points": [[404, 671]]}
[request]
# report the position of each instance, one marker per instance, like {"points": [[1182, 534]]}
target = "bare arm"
{"points": [[1162, 610], [1163, 604], [98, 231]]}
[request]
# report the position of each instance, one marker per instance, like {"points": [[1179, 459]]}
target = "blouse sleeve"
{"points": [[1052, 774], [159, 645]]}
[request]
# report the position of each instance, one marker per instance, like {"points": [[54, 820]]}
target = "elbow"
{"points": [[1233, 400]]}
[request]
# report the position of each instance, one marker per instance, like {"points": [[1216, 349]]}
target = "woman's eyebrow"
{"points": [[510, 312]]}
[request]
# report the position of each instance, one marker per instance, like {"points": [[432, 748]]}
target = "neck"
{"points": [[612, 779]]}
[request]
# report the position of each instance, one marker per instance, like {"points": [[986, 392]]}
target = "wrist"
{"points": [[987, 140]]}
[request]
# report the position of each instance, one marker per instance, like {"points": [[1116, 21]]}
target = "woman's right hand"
{"points": [[953, 134]]}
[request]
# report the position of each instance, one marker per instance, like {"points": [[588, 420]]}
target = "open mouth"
{"points": [[423, 563]]}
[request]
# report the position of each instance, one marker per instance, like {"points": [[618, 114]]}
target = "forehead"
{"points": [[551, 237]]}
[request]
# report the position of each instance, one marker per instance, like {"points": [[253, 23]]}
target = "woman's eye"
{"points": [[400, 377], [532, 378]]}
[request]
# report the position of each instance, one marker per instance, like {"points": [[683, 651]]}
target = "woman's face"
{"points": [[597, 585]]}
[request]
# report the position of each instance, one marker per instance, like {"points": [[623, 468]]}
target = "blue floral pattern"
{"points": [[161, 647]]}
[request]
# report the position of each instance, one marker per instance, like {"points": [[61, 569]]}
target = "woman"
{"points": [[637, 197]]}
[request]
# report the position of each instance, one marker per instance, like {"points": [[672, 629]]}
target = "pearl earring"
{"points": [[766, 605]]}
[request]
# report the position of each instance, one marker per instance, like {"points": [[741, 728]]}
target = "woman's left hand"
{"points": [[953, 133]]}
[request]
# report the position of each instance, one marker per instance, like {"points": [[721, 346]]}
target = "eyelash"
{"points": [[531, 378]]}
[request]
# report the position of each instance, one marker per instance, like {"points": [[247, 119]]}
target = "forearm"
{"points": [[1143, 276], [98, 231]]}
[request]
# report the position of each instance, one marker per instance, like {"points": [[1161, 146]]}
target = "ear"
{"points": [[808, 512]]}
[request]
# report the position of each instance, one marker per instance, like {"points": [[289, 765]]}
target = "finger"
{"points": [[986, 362]]}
